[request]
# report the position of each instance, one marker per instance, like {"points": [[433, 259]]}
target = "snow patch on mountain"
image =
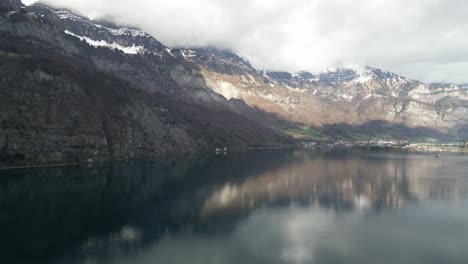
{"points": [[124, 31], [363, 78], [188, 53], [66, 15], [63, 14], [169, 51], [101, 43]]}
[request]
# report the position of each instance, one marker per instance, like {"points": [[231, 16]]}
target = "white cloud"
{"points": [[29, 2], [421, 39]]}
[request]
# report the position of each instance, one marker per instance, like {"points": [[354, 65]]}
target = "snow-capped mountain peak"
{"points": [[334, 77], [100, 33]]}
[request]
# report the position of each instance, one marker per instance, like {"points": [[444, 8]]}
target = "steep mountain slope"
{"points": [[330, 98], [64, 101], [73, 89], [138, 58]]}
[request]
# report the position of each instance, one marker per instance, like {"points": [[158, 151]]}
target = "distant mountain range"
{"points": [[76, 90]]}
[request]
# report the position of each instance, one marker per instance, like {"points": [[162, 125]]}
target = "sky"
{"points": [[425, 40]]}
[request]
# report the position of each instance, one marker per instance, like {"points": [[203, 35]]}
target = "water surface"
{"points": [[259, 207]]}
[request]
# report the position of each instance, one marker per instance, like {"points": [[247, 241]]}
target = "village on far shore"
{"points": [[458, 147]]}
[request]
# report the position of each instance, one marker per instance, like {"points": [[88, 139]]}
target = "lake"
{"points": [[335, 206]]}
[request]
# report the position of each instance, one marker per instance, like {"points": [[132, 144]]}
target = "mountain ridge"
{"points": [[185, 52], [64, 101], [65, 14], [173, 100]]}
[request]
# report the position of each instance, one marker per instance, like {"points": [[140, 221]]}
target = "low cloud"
{"points": [[420, 39]]}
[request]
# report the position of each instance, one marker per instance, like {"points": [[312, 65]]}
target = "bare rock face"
{"points": [[10, 5], [343, 96]]}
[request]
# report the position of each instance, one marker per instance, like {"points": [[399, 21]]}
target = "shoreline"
{"points": [[183, 154], [394, 146], [422, 148]]}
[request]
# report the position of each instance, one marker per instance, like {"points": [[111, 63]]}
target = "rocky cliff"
{"points": [[63, 100], [77, 90], [353, 97]]}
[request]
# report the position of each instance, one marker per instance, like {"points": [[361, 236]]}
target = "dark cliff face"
{"points": [[220, 61], [65, 101], [10, 5]]}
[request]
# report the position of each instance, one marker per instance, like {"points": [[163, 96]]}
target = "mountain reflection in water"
{"points": [[259, 207]]}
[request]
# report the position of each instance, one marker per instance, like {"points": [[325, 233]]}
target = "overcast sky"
{"points": [[421, 39]]}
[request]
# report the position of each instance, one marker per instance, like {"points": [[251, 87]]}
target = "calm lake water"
{"points": [[260, 207]]}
